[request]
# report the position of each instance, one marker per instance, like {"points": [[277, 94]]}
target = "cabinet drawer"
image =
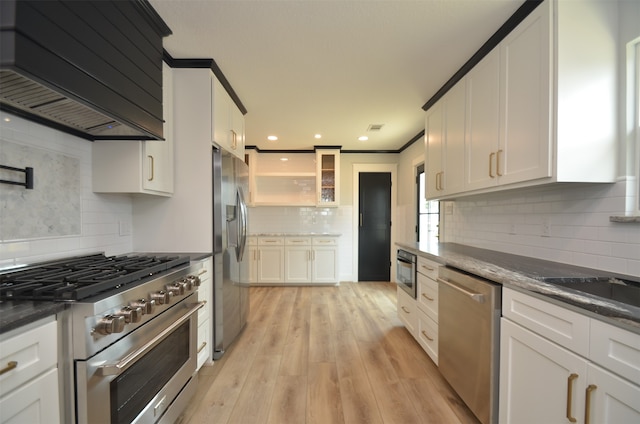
{"points": [[567, 328], [35, 351], [325, 241], [252, 241], [35, 403], [271, 241], [615, 349], [428, 268], [203, 347], [427, 335], [297, 241], [407, 311], [428, 296]]}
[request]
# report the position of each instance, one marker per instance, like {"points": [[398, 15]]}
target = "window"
{"points": [[428, 220]]}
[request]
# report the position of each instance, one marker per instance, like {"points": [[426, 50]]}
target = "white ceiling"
{"points": [[333, 67]]}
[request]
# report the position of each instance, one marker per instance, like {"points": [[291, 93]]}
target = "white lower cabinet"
{"points": [[29, 391], [407, 311], [293, 260], [542, 381], [205, 315]]}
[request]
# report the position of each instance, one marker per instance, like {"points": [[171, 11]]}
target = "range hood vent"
{"points": [[60, 66]]}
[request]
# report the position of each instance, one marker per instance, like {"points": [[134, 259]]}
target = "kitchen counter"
{"points": [[524, 274], [19, 313]]}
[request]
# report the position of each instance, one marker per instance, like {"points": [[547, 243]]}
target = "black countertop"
{"points": [[524, 274], [14, 314]]}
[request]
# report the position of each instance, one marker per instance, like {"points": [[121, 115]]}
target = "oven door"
{"points": [[136, 379], [406, 272]]}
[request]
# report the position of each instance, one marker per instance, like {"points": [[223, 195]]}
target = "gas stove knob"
{"points": [[195, 279], [187, 284], [147, 306], [176, 289], [131, 314], [110, 324], [162, 297]]}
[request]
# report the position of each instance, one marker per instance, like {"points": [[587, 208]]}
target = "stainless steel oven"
{"points": [[129, 333], [138, 378], [406, 271]]}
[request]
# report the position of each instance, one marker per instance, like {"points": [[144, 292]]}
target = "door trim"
{"points": [[391, 168]]}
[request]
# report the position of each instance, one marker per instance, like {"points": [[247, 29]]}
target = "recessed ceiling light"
{"points": [[317, 136], [272, 138], [284, 159], [363, 138]]}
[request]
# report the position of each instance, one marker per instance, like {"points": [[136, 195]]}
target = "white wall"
{"points": [[100, 215]]}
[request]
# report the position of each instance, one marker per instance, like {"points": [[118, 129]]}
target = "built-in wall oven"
{"points": [[406, 271], [130, 333]]}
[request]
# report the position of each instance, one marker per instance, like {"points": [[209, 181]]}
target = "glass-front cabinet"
{"points": [[328, 177]]}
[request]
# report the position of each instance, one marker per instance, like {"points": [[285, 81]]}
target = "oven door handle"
{"points": [[127, 361]]}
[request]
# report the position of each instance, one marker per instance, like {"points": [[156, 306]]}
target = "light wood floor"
{"points": [[325, 355]]}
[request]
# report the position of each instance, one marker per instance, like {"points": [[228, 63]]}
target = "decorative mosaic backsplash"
{"points": [[53, 207]]}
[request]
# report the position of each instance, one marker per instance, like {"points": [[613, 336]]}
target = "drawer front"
{"points": [[34, 403], [203, 349], [428, 268], [428, 296], [567, 328], [298, 241], [615, 349], [407, 311], [271, 241], [325, 241], [427, 335], [35, 351]]}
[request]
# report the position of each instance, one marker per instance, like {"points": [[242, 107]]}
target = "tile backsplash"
{"points": [[566, 223], [77, 220]]}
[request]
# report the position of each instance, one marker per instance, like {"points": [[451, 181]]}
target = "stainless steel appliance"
{"points": [[130, 332], [469, 311], [231, 268], [406, 271]]}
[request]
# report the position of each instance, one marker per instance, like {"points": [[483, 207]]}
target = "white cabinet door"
{"points": [[525, 131], [483, 123], [325, 265], [227, 123], [407, 311], [434, 145], [271, 264], [540, 382], [328, 177], [252, 254], [611, 398], [34, 403], [297, 264]]}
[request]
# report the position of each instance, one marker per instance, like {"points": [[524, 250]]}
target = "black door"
{"points": [[374, 233]]}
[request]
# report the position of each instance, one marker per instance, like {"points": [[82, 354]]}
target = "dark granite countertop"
{"points": [[524, 274], [14, 314]]}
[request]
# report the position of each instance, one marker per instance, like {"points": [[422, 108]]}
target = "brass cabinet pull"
{"points": [[572, 377], [587, 405], [234, 140], [441, 180], [498, 163], [491, 156], [424, 333], [10, 365], [427, 268], [426, 297], [406, 311], [204, 344], [152, 168]]}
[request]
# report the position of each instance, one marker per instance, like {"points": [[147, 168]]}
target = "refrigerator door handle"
{"points": [[242, 223]]}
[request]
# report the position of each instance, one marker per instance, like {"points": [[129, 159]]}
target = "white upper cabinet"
{"points": [[328, 177], [142, 166], [540, 107], [227, 123], [444, 140]]}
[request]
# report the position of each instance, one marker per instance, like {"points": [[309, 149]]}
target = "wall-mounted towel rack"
{"points": [[28, 176]]}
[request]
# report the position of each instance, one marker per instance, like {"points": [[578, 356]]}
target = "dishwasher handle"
{"points": [[478, 297]]}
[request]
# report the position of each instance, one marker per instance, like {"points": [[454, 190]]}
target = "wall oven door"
{"points": [[406, 272], [138, 378]]}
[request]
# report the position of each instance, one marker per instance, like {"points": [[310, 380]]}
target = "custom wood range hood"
{"points": [[93, 69]]}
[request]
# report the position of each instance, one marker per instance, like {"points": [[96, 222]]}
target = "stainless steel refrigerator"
{"points": [[231, 268]]}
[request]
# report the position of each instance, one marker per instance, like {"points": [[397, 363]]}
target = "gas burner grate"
{"points": [[83, 277]]}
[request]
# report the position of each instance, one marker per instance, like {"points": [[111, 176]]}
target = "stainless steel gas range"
{"points": [[129, 332]]}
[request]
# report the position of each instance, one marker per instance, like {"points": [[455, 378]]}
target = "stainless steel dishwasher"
{"points": [[469, 311]]}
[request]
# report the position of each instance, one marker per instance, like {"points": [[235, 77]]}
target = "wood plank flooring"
{"points": [[325, 355]]}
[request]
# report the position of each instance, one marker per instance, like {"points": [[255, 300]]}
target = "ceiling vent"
{"points": [[375, 127]]}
